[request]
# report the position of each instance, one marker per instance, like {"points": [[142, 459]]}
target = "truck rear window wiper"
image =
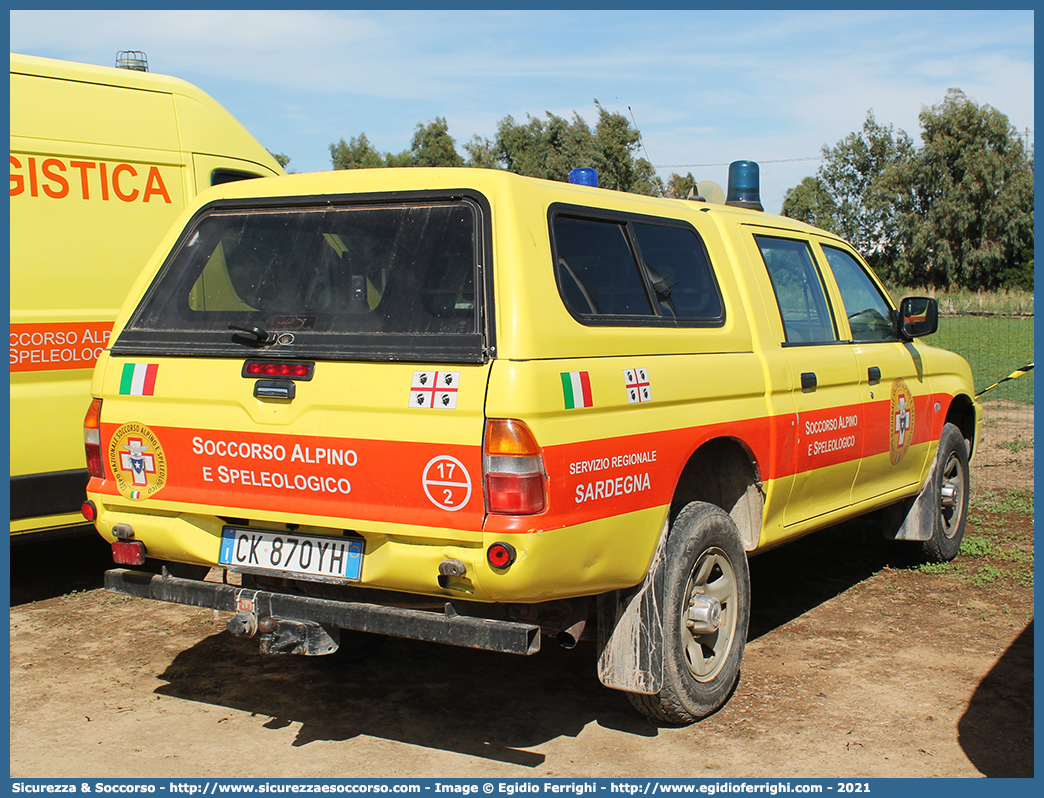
{"points": [[261, 337]]}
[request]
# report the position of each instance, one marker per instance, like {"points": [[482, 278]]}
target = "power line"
{"points": [[1026, 134], [706, 165]]}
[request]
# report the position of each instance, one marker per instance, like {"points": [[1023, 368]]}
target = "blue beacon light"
{"points": [[584, 176], [744, 186]]}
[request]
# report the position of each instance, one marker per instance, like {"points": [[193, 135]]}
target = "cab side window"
{"points": [[799, 290], [870, 316]]}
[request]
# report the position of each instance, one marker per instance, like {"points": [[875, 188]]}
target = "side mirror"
{"points": [[918, 316]]}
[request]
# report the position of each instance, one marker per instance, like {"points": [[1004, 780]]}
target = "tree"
{"points": [[547, 148], [810, 202], [432, 145], [679, 187], [358, 153], [481, 153], [618, 142], [282, 160], [856, 178], [552, 147], [957, 211], [969, 219]]}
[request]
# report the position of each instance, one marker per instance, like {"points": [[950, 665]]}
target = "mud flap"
{"points": [[630, 633], [920, 520]]}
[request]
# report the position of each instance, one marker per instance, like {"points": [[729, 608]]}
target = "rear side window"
{"points": [[221, 176], [634, 271], [598, 271], [680, 272], [383, 281], [799, 290]]}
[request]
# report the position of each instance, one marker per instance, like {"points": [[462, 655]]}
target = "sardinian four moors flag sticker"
{"points": [[901, 428], [137, 462], [434, 389], [636, 383]]}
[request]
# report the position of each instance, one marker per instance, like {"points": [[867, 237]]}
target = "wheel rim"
{"points": [[951, 496], [714, 576]]}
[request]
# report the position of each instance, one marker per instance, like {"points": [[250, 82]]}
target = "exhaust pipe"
{"points": [[573, 626]]}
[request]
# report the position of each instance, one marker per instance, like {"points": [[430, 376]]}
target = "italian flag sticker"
{"points": [[139, 379], [576, 386]]}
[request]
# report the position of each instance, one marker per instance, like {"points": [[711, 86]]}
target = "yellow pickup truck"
{"points": [[475, 408]]}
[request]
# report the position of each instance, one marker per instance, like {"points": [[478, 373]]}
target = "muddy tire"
{"points": [[951, 499], [705, 612]]}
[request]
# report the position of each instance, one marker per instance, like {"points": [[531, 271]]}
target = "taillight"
{"points": [[501, 555], [513, 467], [92, 439]]}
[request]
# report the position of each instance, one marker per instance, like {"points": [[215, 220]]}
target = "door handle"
{"points": [[873, 374], [275, 389], [808, 381]]}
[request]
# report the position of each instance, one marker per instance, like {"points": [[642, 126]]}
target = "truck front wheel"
{"points": [[705, 612], [952, 491]]}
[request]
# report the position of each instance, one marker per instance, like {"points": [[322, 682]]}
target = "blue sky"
{"points": [[705, 87]]}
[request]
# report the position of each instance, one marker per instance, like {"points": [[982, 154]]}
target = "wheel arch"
{"points": [[724, 472], [961, 413]]}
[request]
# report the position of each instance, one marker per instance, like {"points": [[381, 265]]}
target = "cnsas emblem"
{"points": [[137, 461], [901, 431]]}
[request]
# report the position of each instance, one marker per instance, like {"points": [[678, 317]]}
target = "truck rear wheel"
{"points": [[952, 489], [705, 612]]}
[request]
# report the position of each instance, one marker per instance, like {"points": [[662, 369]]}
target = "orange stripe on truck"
{"points": [[440, 485]]}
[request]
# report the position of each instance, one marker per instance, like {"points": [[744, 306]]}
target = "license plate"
{"points": [[318, 557]]}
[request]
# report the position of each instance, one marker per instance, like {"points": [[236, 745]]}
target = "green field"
{"points": [[995, 346]]}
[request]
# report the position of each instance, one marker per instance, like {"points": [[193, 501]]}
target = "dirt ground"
{"points": [[859, 664], [1005, 457]]}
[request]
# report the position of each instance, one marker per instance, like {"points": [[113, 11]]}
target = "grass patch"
{"points": [[992, 330], [939, 568], [1017, 445], [1024, 577], [976, 547], [994, 347], [1012, 501], [997, 550], [960, 300], [986, 575], [1018, 555]]}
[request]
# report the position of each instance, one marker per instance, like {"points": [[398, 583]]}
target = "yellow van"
{"points": [[470, 407], [102, 162]]}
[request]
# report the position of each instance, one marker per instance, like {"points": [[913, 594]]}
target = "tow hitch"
{"points": [[285, 635]]}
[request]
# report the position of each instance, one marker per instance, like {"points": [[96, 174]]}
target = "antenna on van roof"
{"points": [[640, 141], [132, 59]]}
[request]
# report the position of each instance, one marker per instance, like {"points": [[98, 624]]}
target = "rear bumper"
{"points": [[446, 627]]}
